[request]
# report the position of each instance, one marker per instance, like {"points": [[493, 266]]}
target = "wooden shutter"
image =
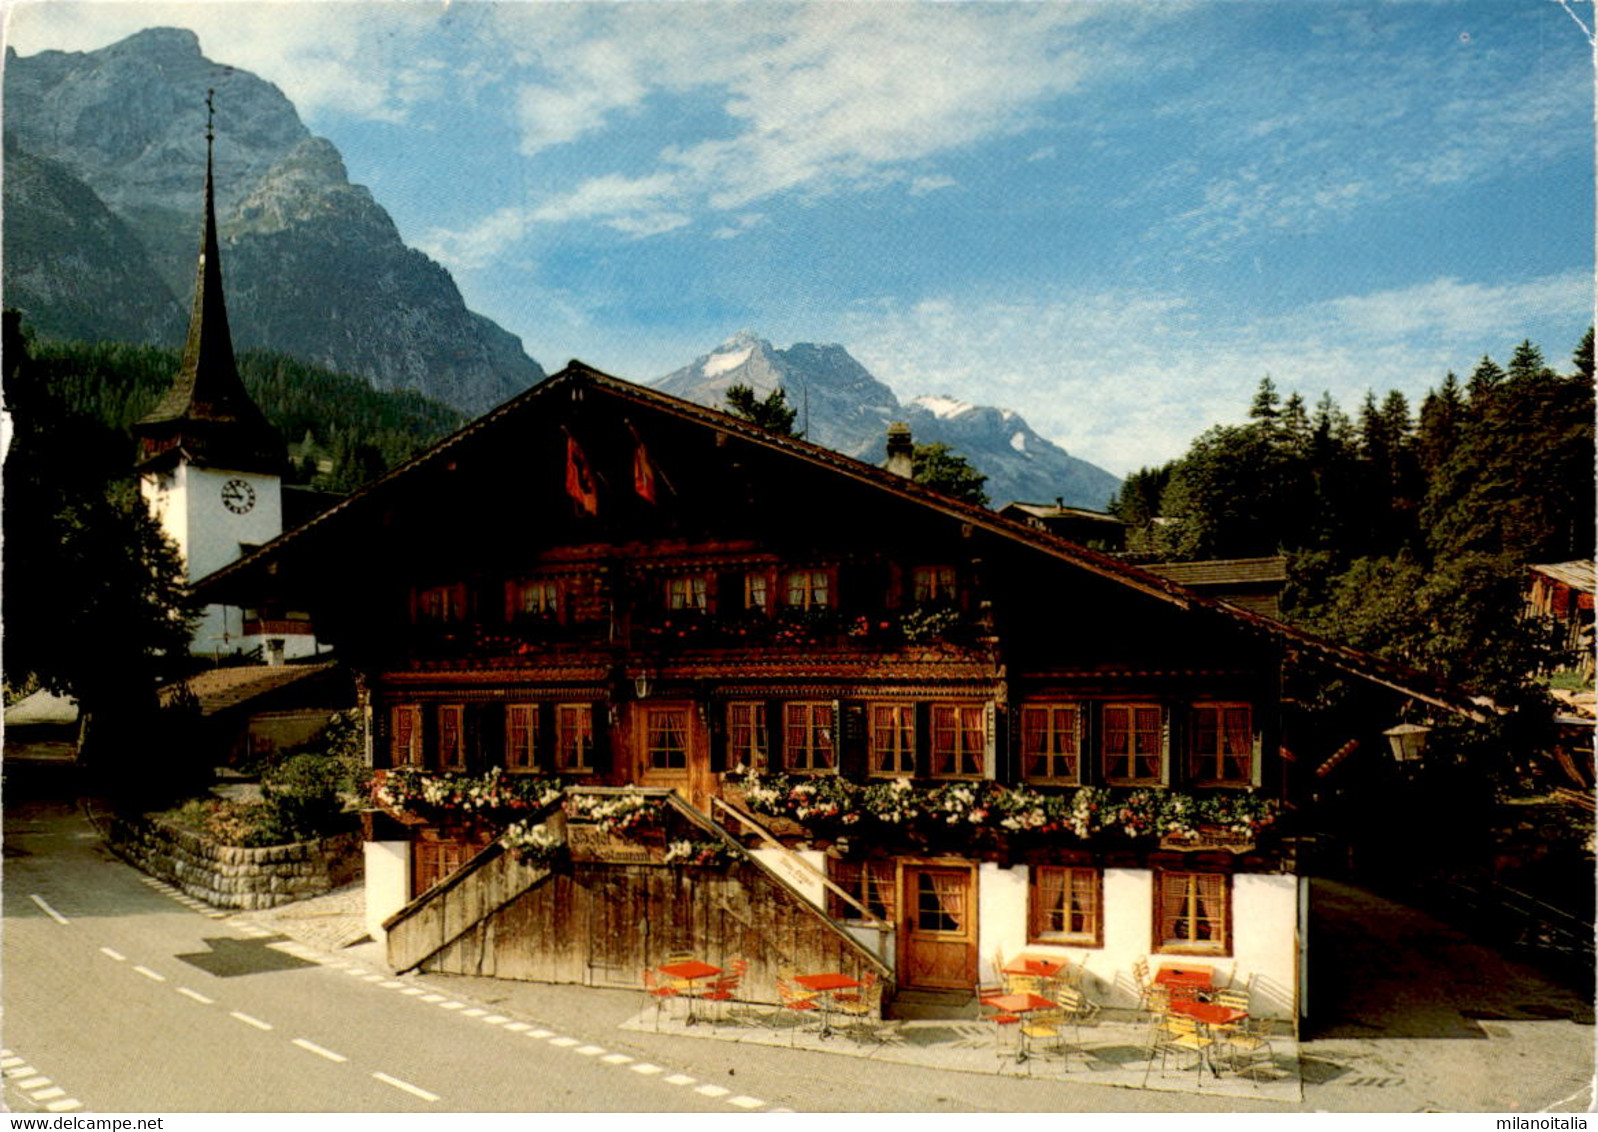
{"points": [[990, 759], [451, 737], [853, 740], [405, 735]]}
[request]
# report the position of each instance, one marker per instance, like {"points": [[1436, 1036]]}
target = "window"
{"points": [[521, 736], [574, 738], [667, 738], [872, 883], [1051, 742], [405, 735], [959, 740], [893, 738], [1192, 912], [757, 593], [940, 902], [451, 737], [690, 594], [441, 605], [1064, 905], [1221, 744], [1134, 743], [809, 737], [748, 742], [809, 589], [933, 584], [538, 598]]}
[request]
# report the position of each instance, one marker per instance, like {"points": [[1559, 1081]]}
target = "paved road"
{"points": [[129, 1001]]}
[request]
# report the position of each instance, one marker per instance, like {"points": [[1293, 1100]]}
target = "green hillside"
{"points": [[340, 431]]}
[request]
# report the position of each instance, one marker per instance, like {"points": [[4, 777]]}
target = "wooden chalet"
{"points": [[737, 694]]}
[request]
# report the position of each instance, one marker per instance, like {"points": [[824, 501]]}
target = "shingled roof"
{"points": [[240, 581]]}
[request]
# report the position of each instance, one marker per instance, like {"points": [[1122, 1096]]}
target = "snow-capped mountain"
{"points": [[843, 407]]}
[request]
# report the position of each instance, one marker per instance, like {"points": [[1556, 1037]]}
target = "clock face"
{"points": [[238, 496]]}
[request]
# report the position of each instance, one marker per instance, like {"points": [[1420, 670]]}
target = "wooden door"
{"points": [[938, 927], [671, 749]]}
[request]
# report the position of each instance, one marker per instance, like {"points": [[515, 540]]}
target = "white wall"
{"points": [[1265, 917], [388, 882]]}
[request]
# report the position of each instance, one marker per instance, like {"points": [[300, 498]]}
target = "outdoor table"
{"points": [[1194, 979], [690, 971], [826, 984], [1207, 1015], [1021, 1003], [1037, 965]]}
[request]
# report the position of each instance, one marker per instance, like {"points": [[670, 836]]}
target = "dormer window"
{"points": [[808, 589], [688, 594], [933, 585]]}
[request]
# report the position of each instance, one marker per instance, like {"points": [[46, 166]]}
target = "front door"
{"points": [[938, 928], [672, 749]]}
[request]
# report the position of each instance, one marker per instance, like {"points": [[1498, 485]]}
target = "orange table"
{"points": [[826, 984], [1185, 978], [690, 971], [1020, 1003], [1208, 1014], [1042, 967]]}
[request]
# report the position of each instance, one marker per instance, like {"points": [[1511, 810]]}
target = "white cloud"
{"points": [[921, 186], [1128, 379]]}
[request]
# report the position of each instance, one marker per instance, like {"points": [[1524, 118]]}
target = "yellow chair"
{"points": [[1246, 1049], [1176, 1033]]}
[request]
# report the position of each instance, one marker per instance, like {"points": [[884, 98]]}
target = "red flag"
{"points": [[580, 479], [643, 470]]}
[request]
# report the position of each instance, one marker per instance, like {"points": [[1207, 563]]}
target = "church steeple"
{"points": [[206, 417]]}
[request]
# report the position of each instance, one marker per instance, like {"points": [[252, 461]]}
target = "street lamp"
{"points": [[1408, 741]]}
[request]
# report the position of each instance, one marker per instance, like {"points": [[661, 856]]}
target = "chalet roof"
{"points": [[1578, 575], [1224, 571], [206, 416], [1058, 511], [241, 580], [219, 689]]}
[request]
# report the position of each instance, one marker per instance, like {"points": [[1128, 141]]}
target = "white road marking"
{"points": [[320, 1051], [475, 1012], [407, 1086], [64, 1106], [615, 1059], [432, 998], [452, 1006], [565, 1043], [517, 1027], [356, 972], [248, 1021], [495, 1020], [21, 1071], [48, 911], [746, 1102], [49, 1094], [411, 990], [117, 955], [712, 1091], [34, 1083], [149, 974], [680, 1079], [373, 978], [197, 996], [390, 984], [589, 1051], [7, 1063], [540, 1033], [646, 1069]]}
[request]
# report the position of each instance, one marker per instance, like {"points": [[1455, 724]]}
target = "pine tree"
{"points": [[772, 414], [937, 466]]}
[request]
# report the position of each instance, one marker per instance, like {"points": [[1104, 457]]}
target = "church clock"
{"points": [[238, 496]]}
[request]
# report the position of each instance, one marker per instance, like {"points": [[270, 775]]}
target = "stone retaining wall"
{"points": [[230, 876]]}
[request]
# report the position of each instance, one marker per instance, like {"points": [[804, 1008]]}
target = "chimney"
{"points": [[274, 652], [900, 450]]}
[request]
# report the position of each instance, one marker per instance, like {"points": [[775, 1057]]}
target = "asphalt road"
{"points": [[131, 1002]]}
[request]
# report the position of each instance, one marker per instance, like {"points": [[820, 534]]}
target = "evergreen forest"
{"points": [[340, 432], [1407, 533]]}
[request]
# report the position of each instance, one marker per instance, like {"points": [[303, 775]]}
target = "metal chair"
{"points": [[723, 990], [1176, 1033], [1247, 1049], [863, 1008], [795, 1003], [656, 993]]}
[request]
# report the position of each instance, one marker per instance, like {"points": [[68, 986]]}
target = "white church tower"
{"points": [[211, 467]]}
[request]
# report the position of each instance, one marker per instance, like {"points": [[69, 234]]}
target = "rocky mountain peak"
{"points": [[842, 406]]}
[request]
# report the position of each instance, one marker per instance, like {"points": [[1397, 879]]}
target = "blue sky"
{"points": [[1113, 216]]}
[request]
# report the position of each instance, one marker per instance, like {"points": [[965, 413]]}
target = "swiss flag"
{"points": [[643, 470]]}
